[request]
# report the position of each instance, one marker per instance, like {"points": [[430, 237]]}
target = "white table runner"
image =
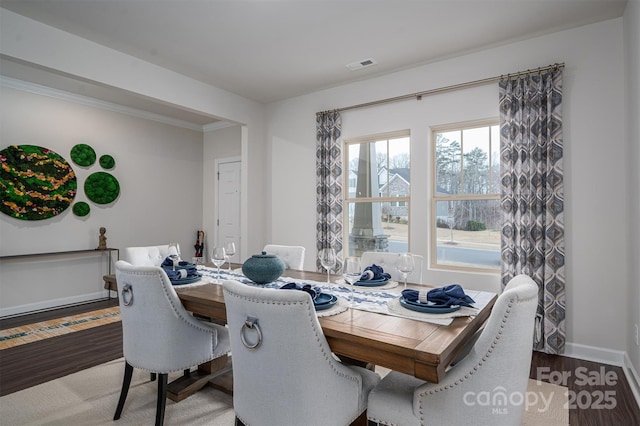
{"points": [[372, 299]]}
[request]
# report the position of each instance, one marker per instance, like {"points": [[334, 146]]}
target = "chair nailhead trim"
{"points": [[178, 312], [482, 361], [319, 336]]}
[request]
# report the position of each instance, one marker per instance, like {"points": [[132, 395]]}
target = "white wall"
{"points": [[632, 89], [159, 168], [595, 171]]}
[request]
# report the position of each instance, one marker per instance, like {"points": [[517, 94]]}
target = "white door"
{"points": [[229, 205]]}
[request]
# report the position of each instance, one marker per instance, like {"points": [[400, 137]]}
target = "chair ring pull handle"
{"points": [[127, 290], [252, 324]]}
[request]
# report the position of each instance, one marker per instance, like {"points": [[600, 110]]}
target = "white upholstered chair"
{"points": [[283, 370], [293, 256], [388, 262], [496, 368], [148, 255], [158, 334]]}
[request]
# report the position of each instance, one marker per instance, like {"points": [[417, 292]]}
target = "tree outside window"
{"points": [[466, 201]]}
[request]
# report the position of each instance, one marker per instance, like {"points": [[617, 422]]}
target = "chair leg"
{"points": [[162, 398], [361, 420], [126, 382]]}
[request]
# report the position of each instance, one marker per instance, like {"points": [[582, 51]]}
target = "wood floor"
{"points": [[599, 394]]}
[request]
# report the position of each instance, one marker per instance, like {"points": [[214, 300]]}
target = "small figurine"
{"points": [[102, 245], [199, 246]]}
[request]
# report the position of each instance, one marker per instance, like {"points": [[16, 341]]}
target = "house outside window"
{"points": [[376, 204], [466, 225]]}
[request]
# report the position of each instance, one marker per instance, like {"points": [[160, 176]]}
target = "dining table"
{"points": [[367, 326], [366, 330]]}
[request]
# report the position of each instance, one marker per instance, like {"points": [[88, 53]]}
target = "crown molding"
{"points": [[38, 89], [217, 126]]}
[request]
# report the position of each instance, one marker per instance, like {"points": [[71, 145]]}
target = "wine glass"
{"points": [[405, 266], [351, 272], [230, 250], [328, 261], [174, 254], [218, 257]]}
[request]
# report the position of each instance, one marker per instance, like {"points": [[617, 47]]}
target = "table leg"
{"points": [[352, 361], [187, 385]]}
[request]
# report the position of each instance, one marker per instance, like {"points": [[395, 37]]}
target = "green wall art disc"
{"points": [[83, 155], [35, 182], [81, 209], [107, 162], [102, 188]]}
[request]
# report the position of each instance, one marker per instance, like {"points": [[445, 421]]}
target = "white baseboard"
{"points": [[607, 356], [632, 377], [51, 304], [595, 354]]}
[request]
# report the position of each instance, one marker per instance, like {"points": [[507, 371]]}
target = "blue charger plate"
{"points": [[187, 280], [324, 301], [428, 308], [372, 283]]}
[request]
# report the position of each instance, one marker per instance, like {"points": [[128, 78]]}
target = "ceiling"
{"points": [[269, 50]]}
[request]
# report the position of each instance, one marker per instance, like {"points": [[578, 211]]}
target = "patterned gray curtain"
{"points": [[329, 184], [532, 200]]}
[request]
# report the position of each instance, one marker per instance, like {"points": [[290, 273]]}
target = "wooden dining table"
{"points": [[413, 347]]}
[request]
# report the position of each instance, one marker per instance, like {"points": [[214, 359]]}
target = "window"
{"points": [[466, 202], [376, 204]]}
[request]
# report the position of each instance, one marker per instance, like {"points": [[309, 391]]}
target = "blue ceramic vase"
{"points": [[263, 268]]}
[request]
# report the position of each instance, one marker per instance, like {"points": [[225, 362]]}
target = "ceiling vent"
{"points": [[361, 64]]}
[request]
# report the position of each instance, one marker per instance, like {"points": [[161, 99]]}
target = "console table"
{"points": [[109, 251], [57, 253]]}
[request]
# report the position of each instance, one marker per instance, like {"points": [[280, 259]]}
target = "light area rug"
{"points": [[21, 335], [89, 398], [548, 405]]}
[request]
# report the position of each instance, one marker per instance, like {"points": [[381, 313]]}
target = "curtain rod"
{"points": [[418, 95]]}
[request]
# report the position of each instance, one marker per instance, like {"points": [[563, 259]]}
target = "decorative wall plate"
{"points": [[102, 188], [36, 183], [83, 155], [81, 209], [107, 162]]}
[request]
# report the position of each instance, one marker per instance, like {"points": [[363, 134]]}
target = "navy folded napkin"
{"points": [[448, 295], [374, 272], [167, 265], [313, 291], [169, 262]]}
